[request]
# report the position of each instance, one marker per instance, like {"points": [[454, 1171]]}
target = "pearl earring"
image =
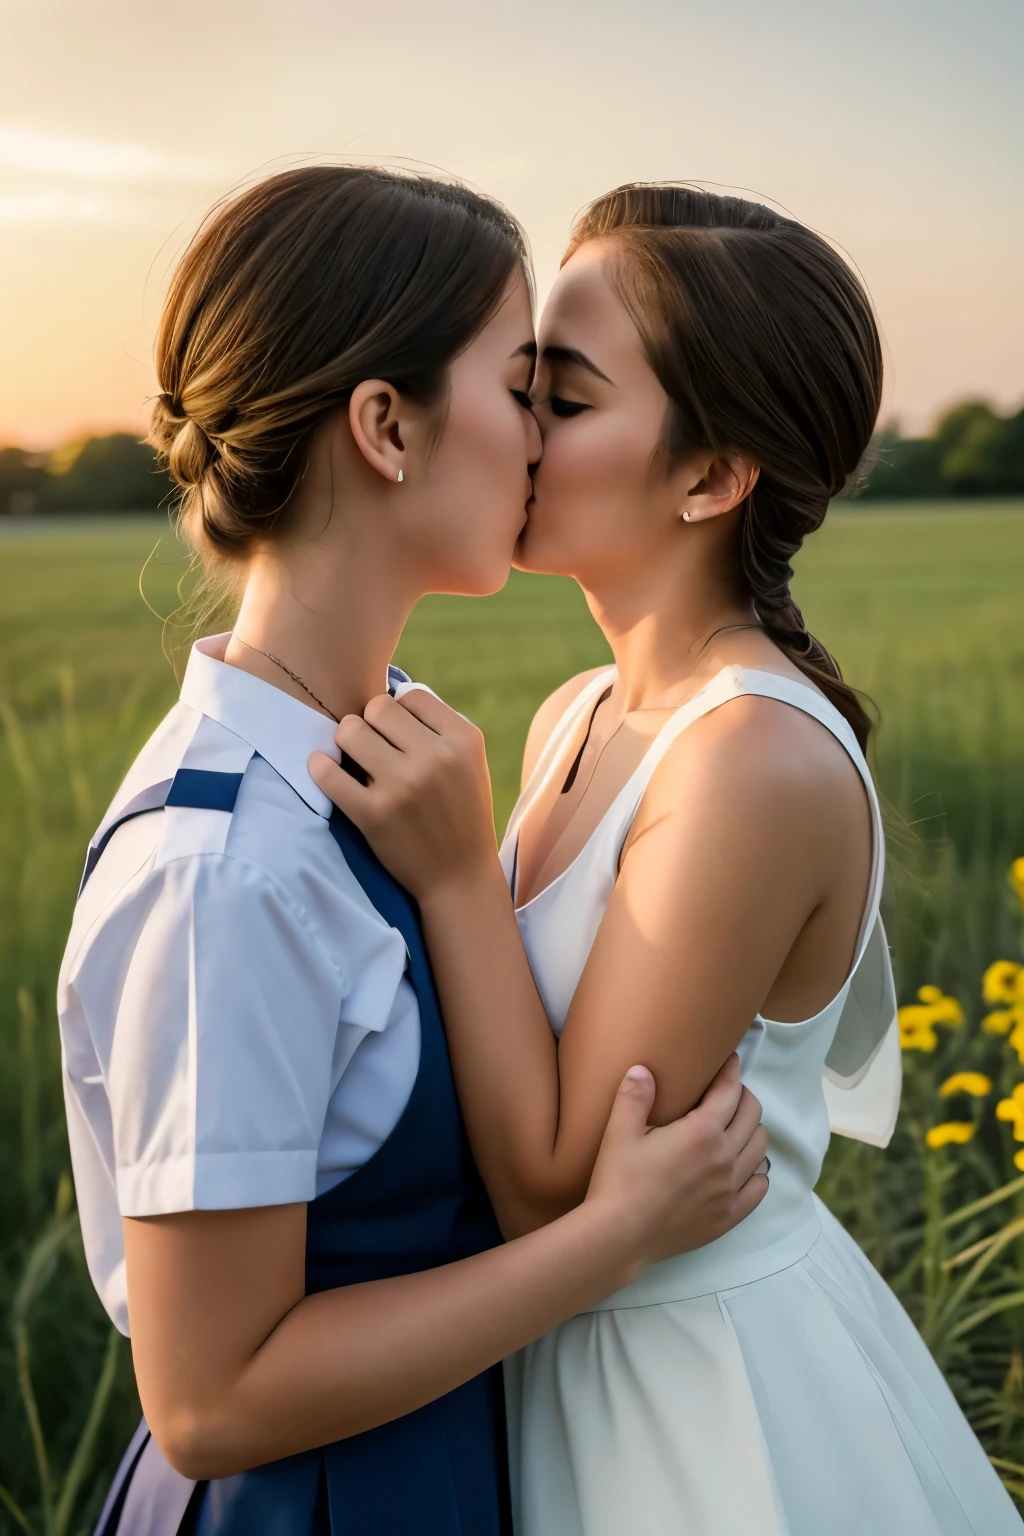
{"points": [[401, 476], [686, 517]]}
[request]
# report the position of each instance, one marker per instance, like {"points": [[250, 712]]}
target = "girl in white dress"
{"points": [[696, 864]]}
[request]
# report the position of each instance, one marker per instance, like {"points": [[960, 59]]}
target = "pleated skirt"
{"points": [[803, 1404]]}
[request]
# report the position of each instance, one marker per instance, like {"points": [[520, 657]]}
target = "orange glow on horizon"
{"points": [[905, 156]]}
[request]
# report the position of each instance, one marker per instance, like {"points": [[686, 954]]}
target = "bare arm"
{"points": [[236, 1366], [724, 871]]}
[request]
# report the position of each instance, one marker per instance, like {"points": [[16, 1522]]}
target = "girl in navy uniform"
{"points": [[275, 1188]]}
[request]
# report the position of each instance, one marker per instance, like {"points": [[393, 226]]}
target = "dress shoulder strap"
{"points": [[546, 763], [734, 682]]}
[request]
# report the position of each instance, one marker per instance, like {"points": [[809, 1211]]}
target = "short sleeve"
{"points": [[226, 1039]]}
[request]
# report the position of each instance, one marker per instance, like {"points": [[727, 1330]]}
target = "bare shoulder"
{"points": [[777, 762], [549, 714]]}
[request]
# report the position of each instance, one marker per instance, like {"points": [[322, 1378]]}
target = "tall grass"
{"points": [[923, 610]]}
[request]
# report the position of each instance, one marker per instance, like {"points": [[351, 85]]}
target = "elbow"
{"points": [[523, 1210], [528, 1192], [195, 1444]]}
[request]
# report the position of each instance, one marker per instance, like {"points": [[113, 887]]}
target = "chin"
{"points": [[481, 582], [531, 555]]}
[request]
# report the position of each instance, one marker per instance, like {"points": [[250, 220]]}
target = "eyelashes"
{"points": [[559, 405]]}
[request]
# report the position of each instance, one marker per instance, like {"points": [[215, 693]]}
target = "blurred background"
{"points": [[896, 129]]}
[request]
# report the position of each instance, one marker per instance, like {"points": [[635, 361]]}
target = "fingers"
{"points": [[364, 742], [749, 1197], [751, 1158], [345, 791], [721, 1098], [430, 710], [744, 1122], [631, 1107], [398, 725], [370, 751]]}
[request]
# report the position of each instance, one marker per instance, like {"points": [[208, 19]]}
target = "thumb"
{"points": [[633, 1104]]}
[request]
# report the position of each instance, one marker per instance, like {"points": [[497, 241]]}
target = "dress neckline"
{"points": [[826, 714], [637, 771]]}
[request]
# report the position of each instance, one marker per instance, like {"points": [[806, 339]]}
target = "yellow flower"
{"points": [[1012, 1109], [998, 1021], [957, 1131], [1017, 878], [918, 1020], [1003, 982], [946, 1010], [917, 1029], [1017, 1034], [974, 1083]]}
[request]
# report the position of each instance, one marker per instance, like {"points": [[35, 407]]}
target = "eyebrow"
{"points": [[571, 355], [528, 349]]}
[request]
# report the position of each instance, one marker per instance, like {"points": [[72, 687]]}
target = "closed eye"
{"points": [[521, 397], [562, 407]]}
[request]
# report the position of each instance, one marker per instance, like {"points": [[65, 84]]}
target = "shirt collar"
{"points": [[281, 729]]}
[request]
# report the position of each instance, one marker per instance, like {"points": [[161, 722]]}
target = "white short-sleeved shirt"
{"points": [[236, 1025]]}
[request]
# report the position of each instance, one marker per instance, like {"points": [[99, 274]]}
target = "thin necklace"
{"points": [[293, 675], [654, 709], [722, 630]]}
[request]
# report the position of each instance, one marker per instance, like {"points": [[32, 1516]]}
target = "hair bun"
{"points": [[171, 406], [189, 452]]}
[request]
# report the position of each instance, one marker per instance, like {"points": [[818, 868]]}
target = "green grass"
{"points": [[922, 607]]}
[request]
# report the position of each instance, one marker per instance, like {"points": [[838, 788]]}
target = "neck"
{"points": [[331, 612], [659, 627]]}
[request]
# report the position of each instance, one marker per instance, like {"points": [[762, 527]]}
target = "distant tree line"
{"points": [[971, 451], [115, 473]]}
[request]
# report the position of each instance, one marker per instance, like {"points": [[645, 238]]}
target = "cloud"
{"points": [[24, 147], [53, 207]]}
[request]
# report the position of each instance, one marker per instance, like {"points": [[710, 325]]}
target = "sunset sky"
{"points": [[896, 127]]}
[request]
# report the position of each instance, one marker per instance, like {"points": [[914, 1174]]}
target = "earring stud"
{"points": [[686, 517], [401, 476]]}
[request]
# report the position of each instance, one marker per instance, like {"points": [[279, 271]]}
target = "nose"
{"points": [[534, 442]]}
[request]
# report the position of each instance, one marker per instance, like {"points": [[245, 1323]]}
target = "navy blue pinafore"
{"points": [[416, 1204]]}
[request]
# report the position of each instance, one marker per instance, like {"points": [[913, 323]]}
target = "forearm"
{"points": [[504, 1054], [346, 1360]]}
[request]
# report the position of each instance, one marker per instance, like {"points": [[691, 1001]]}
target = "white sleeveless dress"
{"points": [[769, 1384]]}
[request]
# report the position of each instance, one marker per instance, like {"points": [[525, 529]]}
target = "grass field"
{"points": [[923, 609]]}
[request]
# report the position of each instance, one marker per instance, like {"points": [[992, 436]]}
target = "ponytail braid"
{"points": [[772, 533]]}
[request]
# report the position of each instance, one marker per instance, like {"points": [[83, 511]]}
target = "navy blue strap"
{"points": [[199, 789], [195, 789], [394, 904]]}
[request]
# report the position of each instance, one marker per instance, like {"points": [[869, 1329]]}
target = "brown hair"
{"points": [[764, 341], [289, 296]]}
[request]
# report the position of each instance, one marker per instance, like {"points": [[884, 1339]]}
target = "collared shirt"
{"points": [[236, 1025]]}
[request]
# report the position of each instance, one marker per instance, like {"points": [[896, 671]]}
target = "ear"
{"points": [[374, 417], [723, 483]]}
